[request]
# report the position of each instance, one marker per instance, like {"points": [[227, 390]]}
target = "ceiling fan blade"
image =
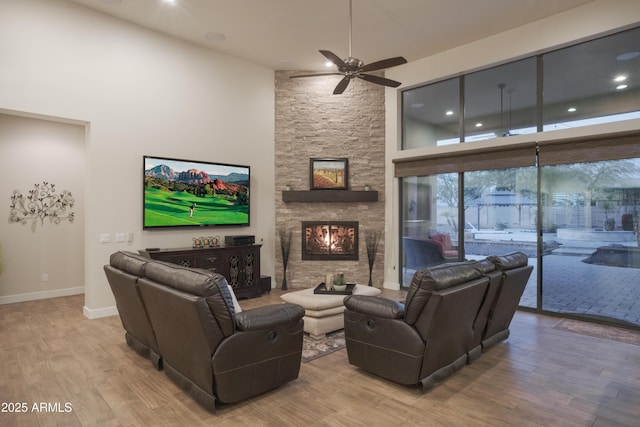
{"points": [[315, 75], [379, 80], [333, 58], [385, 63], [341, 86]]}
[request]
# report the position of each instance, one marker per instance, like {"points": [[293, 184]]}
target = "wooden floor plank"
{"points": [[539, 376]]}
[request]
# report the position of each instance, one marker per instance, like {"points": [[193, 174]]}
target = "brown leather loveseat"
{"points": [[123, 272], [515, 274], [207, 348], [451, 310]]}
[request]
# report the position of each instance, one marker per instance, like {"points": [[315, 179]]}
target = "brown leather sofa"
{"points": [[425, 340], [123, 272], [515, 273], [453, 312], [488, 269], [209, 350]]}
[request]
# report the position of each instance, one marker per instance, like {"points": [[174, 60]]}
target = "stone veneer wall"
{"points": [[312, 122]]}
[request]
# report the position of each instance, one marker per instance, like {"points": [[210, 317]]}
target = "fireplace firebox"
{"points": [[322, 240]]}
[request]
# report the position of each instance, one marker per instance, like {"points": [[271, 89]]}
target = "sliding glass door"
{"points": [[429, 222], [591, 259], [500, 216], [577, 222]]}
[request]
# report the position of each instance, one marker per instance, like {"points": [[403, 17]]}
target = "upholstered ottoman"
{"points": [[324, 313]]}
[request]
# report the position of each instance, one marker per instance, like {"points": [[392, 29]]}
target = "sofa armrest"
{"points": [[375, 306], [269, 316]]}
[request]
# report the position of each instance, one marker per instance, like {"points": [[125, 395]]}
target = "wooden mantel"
{"points": [[311, 196]]}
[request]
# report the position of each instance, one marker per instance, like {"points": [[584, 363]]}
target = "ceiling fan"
{"points": [[352, 67]]}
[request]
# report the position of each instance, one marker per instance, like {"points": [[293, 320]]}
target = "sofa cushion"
{"points": [[436, 278], [375, 307], [203, 283], [190, 280], [485, 266], [129, 262], [269, 316], [510, 261]]}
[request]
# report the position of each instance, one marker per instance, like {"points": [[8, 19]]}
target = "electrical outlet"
{"points": [[121, 237], [105, 238], [45, 277]]}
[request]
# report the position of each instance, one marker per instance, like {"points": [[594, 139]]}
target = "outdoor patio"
{"points": [[570, 285], [596, 291]]}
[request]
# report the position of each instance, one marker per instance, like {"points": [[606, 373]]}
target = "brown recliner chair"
{"points": [[425, 340], [515, 274], [208, 350], [123, 273]]}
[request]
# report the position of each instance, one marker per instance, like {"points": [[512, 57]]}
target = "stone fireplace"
{"points": [[311, 122], [322, 240]]}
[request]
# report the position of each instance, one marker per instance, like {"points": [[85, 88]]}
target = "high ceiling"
{"points": [[287, 34]]}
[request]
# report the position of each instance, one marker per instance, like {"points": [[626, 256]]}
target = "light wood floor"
{"points": [[50, 353]]}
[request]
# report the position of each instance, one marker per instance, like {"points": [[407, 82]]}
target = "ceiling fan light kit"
{"points": [[351, 67]]}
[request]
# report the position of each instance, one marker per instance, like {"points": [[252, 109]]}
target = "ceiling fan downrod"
{"points": [[350, 25]]}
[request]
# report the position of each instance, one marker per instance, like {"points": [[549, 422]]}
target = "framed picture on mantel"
{"points": [[329, 173]]}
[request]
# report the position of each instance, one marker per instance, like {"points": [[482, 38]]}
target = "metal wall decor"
{"points": [[40, 203]]}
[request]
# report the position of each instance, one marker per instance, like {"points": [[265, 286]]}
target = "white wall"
{"points": [[596, 18], [140, 93], [33, 151]]}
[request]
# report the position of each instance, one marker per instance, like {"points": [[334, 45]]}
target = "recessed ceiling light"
{"points": [[170, 1], [620, 78], [571, 109], [214, 36], [478, 125], [628, 55], [449, 113], [620, 87]]}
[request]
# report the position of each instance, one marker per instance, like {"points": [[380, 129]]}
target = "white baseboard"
{"points": [[391, 285], [33, 296], [100, 312]]}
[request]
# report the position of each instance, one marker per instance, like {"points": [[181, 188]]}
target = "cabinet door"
{"points": [[233, 269], [249, 262], [241, 268], [244, 271], [210, 260]]}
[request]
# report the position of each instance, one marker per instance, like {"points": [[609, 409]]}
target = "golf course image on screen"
{"points": [[181, 193]]}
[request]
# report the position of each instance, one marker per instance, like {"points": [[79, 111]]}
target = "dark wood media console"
{"points": [[240, 265]]}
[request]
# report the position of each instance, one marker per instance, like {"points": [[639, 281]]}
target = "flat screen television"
{"points": [[186, 193]]}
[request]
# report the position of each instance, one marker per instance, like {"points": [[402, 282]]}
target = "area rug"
{"points": [[315, 348], [599, 331]]}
